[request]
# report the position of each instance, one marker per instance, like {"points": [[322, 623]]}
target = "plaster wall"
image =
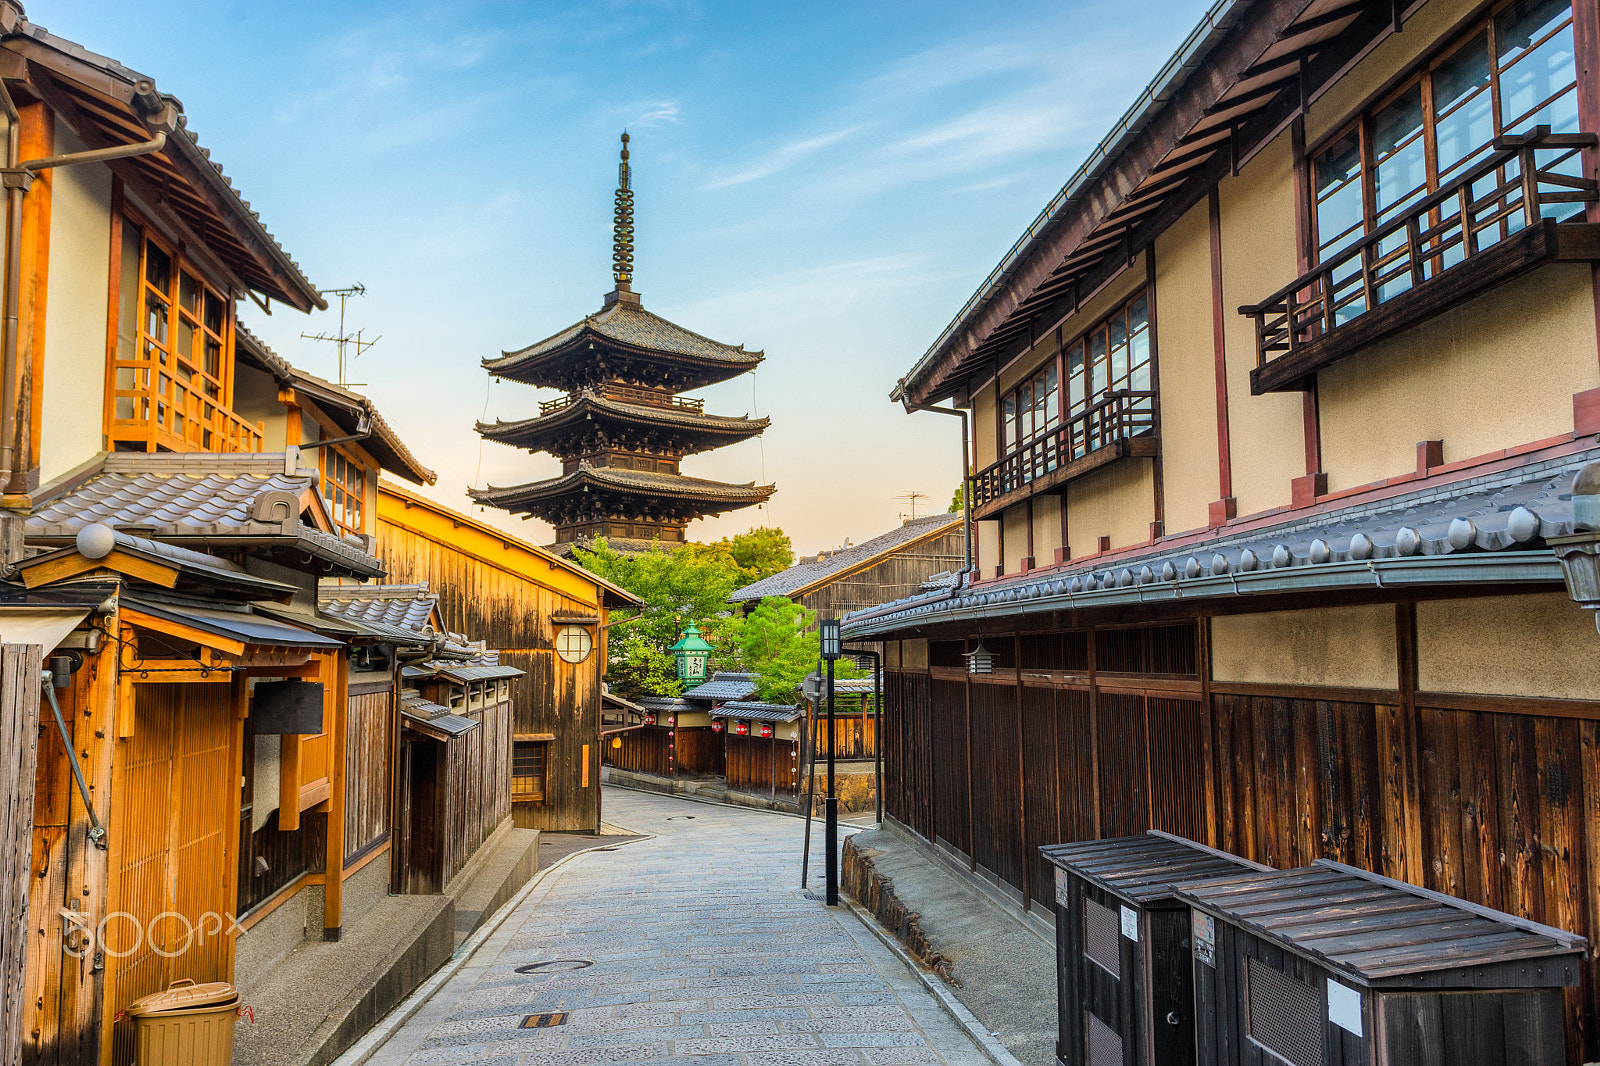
{"points": [[985, 443], [1046, 529], [1540, 644], [255, 399], [986, 542], [1491, 374], [74, 386], [1116, 501], [1015, 521], [914, 654], [1266, 433], [1352, 647], [1186, 363]]}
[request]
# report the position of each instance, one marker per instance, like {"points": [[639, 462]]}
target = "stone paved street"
{"points": [[704, 950]]}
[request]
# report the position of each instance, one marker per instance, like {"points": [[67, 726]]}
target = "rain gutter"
{"points": [[1189, 57], [1510, 568]]}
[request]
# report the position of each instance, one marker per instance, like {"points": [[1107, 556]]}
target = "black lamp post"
{"points": [[828, 629]]}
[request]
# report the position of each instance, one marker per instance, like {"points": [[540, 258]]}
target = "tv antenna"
{"points": [[911, 497], [343, 339]]}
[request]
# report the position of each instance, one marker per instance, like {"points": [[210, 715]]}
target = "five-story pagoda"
{"points": [[622, 430]]}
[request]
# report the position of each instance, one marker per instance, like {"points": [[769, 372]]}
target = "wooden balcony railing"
{"points": [[627, 394], [176, 415], [1086, 441], [1487, 226]]}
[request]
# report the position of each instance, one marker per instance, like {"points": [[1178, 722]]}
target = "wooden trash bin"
{"points": [[1123, 979], [1328, 965], [187, 1025]]}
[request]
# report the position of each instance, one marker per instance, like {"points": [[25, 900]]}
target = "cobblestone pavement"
{"points": [[703, 950]]}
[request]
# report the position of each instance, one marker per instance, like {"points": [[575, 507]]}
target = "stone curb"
{"points": [[986, 1040], [370, 1044]]}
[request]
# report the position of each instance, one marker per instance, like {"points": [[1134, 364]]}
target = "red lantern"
{"points": [[742, 728], [716, 725], [672, 720], [649, 719], [766, 731]]}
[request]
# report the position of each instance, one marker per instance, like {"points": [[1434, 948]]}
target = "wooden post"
{"points": [[336, 703], [19, 749]]}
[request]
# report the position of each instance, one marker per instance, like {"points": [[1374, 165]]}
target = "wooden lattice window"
{"points": [[172, 372], [527, 770], [344, 486]]}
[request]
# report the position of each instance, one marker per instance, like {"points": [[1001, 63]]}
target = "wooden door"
{"points": [[177, 802]]}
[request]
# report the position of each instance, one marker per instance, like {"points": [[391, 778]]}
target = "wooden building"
{"points": [[888, 567], [545, 616], [621, 430], [763, 746], [1276, 411]]}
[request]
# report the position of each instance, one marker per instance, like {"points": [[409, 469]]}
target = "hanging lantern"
{"points": [[980, 660], [672, 720], [716, 725], [616, 742], [766, 731], [691, 653], [742, 728], [649, 719]]}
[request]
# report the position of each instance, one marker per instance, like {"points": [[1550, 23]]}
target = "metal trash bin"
{"points": [[187, 1025]]}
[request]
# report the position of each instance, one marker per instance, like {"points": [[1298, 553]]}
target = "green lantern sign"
{"points": [[691, 653]]}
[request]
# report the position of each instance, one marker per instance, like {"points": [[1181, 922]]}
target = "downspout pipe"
{"points": [[17, 178], [966, 473]]}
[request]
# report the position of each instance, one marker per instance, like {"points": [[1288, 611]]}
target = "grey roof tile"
{"points": [[811, 571], [630, 324], [757, 711], [408, 607], [723, 686], [640, 481]]}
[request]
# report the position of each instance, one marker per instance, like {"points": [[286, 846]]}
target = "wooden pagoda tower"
{"points": [[621, 430]]}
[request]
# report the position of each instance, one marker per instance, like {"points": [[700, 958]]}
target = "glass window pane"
{"points": [[1139, 345], [189, 293], [1009, 422], [1462, 106], [1336, 180], [1097, 365], [185, 345], [157, 267], [1532, 69], [216, 311], [1075, 383], [1400, 171], [155, 319], [1052, 399]]}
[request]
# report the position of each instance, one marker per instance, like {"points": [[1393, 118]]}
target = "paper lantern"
{"points": [[742, 728], [716, 725], [649, 719], [766, 730]]}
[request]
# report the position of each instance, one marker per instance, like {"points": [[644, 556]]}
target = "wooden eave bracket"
{"points": [[117, 562], [234, 649]]}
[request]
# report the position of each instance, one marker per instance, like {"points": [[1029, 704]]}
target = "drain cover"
{"points": [[555, 966], [544, 1021], [814, 897]]}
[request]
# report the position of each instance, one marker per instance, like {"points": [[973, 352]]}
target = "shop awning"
{"points": [[34, 624]]}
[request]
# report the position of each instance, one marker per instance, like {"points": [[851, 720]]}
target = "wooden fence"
{"points": [[765, 767], [19, 745]]}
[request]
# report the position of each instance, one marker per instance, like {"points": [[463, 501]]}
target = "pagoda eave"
{"points": [[590, 423], [591, 494]]}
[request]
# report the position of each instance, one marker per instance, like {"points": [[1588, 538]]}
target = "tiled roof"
{"points": [[758, 712], [629, 324], [210, 570], [1437, 534], [588, 404], [723, 686], [482, 666], [811, 572], [195, 496], [638, 482], [407, 607]]}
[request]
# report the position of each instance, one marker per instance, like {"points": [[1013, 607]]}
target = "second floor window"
{"points": [[344, 486], [1508, 74], [1031, 410]]}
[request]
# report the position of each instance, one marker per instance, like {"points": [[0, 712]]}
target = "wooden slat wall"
{"points": [[512, 614], [996, 793], [700, 751], [478, 785], [894, 578], [856, 738], [763, 767], [19, 744], [369, 741], [643, 751], [952, 815]]}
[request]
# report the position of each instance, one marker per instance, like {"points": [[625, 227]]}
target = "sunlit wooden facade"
{"points": [[1275, 412]]}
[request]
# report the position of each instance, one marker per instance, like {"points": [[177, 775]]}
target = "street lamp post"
{"points": [[690, 654], [829, 632]]}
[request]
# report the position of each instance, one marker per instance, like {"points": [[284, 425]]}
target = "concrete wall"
{"points": [[74, 386], [1352, 647], [1186, 364]]}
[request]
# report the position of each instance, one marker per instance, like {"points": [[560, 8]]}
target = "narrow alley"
{"points": [[701, 948]]}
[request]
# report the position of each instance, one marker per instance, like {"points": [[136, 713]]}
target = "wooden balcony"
{"points": [[1120, 425], [628, 394], [170, 414], [1489, 226]]}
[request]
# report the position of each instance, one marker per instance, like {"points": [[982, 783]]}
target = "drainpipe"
{"points": [[966, 472], [363, 431], [17, 179]]}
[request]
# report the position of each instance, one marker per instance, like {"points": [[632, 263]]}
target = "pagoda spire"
{"points": [[622, 228]]}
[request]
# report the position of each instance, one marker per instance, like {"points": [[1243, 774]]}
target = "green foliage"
{"points": [[760, 553], [777, 641], [957, 501], [690, 584]]}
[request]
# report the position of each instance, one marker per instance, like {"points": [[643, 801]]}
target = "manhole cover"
{"points": [[674, 817], [814, 897], [555, 966], [544, 1021]]}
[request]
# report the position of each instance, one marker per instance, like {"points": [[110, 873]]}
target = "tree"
{"points": [[778, 640], [690, 584], [958, 501], [760, 553]]}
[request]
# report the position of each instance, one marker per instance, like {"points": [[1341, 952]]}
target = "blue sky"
{"points": [[826, 182]]}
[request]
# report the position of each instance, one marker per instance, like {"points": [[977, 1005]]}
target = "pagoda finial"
{"points": [[622, 235]]}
